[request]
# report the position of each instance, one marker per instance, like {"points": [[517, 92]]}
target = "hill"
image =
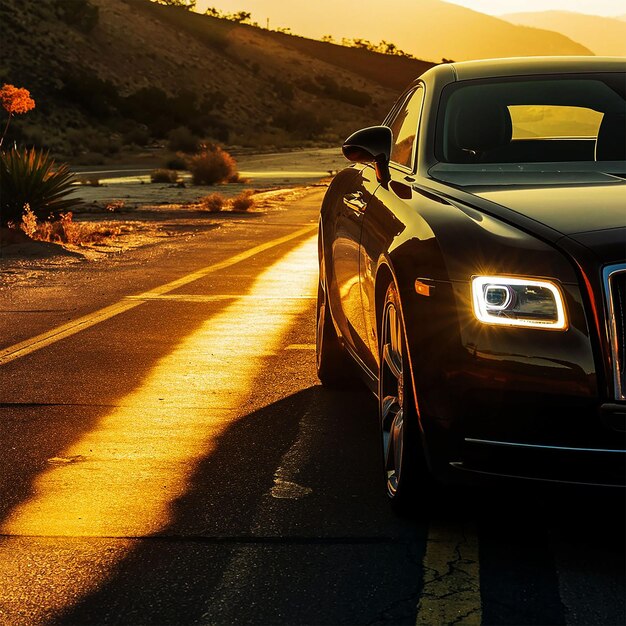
{"points": [[106, 73], [428, 29], [602, 35]]}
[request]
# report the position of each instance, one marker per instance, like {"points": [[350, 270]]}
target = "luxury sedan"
{"points": [[473, 272]]}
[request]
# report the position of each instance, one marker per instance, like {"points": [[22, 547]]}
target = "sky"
{"points": [[493, 7], [499, 7]]}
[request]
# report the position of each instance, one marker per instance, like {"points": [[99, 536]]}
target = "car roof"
{"points": [[521, 66]]}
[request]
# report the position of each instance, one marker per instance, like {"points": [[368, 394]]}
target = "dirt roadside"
{"points": [[24, 262]]}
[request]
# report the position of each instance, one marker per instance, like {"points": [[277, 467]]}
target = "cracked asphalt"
{"points": [[177, 462]]}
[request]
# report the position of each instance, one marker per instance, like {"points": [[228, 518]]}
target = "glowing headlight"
{"points": [[518, 302]]}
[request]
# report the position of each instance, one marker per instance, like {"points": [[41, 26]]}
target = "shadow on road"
{"points": [[235, 554]]}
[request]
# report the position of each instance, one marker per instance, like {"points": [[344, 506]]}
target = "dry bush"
{"points": [[213, 203], [176, 161], [89, 181], [66, 230], [183, 140], [243, 201], [212, 165], [115, 206], [164, 176]]}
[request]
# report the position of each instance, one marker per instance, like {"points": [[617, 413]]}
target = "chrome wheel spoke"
{"points": [[393, 361], [397, 434], [389, 408], [392, 398]]}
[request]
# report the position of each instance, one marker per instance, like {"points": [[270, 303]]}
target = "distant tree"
{"points": [[384, 47], [387, 47], [190, 5], [328, 39], [240, 17], [363, 43]]}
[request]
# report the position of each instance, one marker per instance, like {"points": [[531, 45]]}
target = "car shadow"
{"points": [[307, 558]]}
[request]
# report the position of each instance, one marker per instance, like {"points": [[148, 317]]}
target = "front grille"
{"points": [[615, 286]]}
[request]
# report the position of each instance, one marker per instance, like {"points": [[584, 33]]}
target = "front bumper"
{"points": [[583, 466]]}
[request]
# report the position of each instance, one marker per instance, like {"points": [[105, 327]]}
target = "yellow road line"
{"points": [[75, 326], [190, 297], [127, 477], [451, 593]]}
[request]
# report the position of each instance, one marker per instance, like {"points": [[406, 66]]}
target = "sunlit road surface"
{"points": [[169, 458]]}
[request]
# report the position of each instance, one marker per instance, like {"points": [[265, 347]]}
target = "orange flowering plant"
{"points": [[29, 177], [14, 100]]}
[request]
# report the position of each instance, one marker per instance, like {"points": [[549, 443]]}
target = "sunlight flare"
{"points": [[120, 479]]}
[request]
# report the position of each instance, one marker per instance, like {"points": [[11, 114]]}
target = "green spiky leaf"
{"points": [[30, 176]]}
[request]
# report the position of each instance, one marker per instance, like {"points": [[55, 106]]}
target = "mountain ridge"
{"points": [[428, 29], [102, 84], [603, 35]]}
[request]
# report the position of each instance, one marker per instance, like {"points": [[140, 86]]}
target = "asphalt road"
{"points": [[168, 457]]}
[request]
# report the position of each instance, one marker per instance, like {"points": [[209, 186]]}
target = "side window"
{"points": [[404, 128]]}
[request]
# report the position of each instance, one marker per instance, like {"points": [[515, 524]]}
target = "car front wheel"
{"points": [[402, 454]]}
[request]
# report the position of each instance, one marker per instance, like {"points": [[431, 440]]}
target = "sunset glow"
{"points": [[500, 7], [262, 9], [462, 30], [120, 482]]}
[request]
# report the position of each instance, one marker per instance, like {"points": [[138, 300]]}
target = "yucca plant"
{"points": [[30, 176]]}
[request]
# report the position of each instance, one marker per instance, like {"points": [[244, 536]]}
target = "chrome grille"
{"points": [[615, 286]]}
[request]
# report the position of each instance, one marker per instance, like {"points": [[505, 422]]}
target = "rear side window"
{"points": [[404, 128]]}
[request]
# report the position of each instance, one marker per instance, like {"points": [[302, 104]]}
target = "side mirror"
{"points": [[371, 145]]}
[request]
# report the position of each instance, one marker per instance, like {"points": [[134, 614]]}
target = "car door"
{"points": [[384, 219], [351, 199]]}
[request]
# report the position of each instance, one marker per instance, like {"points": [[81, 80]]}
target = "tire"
{"points": [[333, 366], [403, 457]]}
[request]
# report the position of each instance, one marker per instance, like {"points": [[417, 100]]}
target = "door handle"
{"points": [[355, 202]]}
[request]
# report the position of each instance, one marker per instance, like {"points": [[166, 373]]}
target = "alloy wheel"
{"points": [[392, 398]]}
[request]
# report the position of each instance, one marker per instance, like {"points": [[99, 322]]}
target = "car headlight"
{"points": [[518, 302]]}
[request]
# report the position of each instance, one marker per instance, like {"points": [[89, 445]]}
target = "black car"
{"points": [[473, 268]]}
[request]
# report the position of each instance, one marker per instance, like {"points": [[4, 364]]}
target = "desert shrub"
{"points": [[162, 113], [213, 203], [150, 106], [243, 201], [164, 176], [328, 87], [181, 139], [353, 96], [283, 90], [92, 141], [211, 165], [94, 95], [138, 135], [301, 123], [30, 176], [177, 162], [115, 206], [65, 230], [213, 100], [78, 13]]}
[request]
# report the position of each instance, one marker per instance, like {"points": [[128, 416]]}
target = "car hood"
{"points": [[569, 209]]}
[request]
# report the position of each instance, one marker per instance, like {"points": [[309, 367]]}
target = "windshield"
{"points": [[547, 119]]}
